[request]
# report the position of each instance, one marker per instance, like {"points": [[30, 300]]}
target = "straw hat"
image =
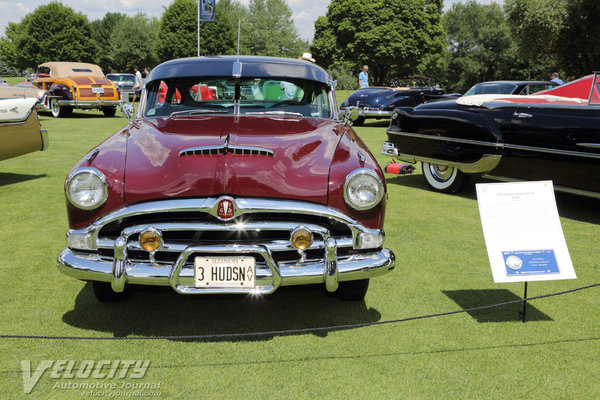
{"points": [[307, 57]]}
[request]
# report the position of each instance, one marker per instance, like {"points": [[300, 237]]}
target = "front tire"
{"points": [[445, 179]]}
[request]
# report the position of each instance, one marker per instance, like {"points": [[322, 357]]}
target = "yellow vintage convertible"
{"points": [[72, 85]]}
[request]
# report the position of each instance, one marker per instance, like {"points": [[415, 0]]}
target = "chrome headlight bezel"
{"points": [[97, 178], [364, 175]]}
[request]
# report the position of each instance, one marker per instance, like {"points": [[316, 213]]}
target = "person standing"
{"points": [[137, 86], [363, 77]]}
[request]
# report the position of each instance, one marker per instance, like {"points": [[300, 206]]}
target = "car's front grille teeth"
{"points": [[213, 151]]}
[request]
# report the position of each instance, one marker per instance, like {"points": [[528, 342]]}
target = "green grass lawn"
{"points": [[442, 265]]}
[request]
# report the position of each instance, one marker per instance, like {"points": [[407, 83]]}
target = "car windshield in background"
{"points": [[122, 78], [254, 96], [492, 88]]}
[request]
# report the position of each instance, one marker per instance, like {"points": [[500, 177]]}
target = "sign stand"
{"points": [[523, 235], [522, 313]]}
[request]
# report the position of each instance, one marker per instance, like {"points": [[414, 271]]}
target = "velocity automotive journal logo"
{"points": [[90, 376]]}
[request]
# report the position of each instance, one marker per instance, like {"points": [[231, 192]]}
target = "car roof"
{"points": [[63, 69], [252, 67]]}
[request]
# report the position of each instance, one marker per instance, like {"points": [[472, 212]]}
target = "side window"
{"points": [[320, 104]]}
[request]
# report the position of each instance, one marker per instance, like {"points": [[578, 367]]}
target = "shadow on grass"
{"points": [[7, 178], [82, 114], [580, 208], [159, 311], [467, 299]]}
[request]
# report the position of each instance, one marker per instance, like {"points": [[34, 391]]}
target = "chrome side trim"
{"points": [[579, 192], [447, 139], [553, 151], [486, 163], [591, 145], [45, 139]]}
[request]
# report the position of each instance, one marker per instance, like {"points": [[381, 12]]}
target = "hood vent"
{"points": [[224, 149]]}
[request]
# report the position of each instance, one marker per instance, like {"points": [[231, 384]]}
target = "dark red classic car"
{"points": [[240, 191]]}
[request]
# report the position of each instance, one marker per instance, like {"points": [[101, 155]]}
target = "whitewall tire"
{"points": [[442, 178]]}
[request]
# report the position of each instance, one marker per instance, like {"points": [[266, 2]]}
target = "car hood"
{"points": [[197, 156]]}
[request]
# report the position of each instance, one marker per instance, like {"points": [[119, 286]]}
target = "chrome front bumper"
{"points": [[84, 261], [89, 104], [368, 113]]}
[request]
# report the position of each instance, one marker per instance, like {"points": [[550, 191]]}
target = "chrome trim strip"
{"points": [[487, 162], [447, 139], [552, 151], [579, 192], [370, 113], [45, 139], [591, 145]]}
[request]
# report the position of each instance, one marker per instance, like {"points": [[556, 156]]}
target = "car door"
{"points": [[557, 142]]}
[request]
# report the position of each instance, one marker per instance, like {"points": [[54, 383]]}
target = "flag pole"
{"points": [[198, 30]]}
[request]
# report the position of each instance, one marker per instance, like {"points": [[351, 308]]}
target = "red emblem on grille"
{"points": [[225, 209]]}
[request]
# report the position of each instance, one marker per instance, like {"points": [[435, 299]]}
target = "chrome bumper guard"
{"points": [[89, 265]]}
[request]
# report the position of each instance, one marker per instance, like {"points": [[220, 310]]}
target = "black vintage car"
{"points": [[510, 87], [553, 135], [380, 101]]}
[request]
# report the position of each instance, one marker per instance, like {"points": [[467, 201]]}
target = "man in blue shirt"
{"points": [[556, 79], [363, 77]]}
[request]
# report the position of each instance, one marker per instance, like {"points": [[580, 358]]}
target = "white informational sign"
{"points": [[522, 231]]}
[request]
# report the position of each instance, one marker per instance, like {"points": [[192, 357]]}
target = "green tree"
{"points": [[178, 32], [132, 43], [52, 32], [268, 30], [102, 30], [537, 26], [480, 44], [579, 53], [394, 37]]}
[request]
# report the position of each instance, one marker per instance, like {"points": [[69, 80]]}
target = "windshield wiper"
{"points": [[199, 111], [277, 113]]}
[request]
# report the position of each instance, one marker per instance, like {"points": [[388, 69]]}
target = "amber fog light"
{"points": [[301, 238], [151, 240]]}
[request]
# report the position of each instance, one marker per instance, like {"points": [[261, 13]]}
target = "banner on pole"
{"points": [[207, 10]]}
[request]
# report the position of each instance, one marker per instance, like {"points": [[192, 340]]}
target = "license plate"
{"points": [[229, 272], [98, 90]]}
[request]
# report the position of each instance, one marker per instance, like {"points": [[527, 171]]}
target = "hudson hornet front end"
{"points": [[253, 187]]}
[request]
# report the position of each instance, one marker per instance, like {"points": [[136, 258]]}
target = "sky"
{"points": [[305, 12]]}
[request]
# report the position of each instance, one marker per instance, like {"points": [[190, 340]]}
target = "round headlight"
{"points": [[363, 189], [86, 188]]}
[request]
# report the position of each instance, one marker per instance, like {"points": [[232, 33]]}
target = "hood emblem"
{"points": [[226, 208]]}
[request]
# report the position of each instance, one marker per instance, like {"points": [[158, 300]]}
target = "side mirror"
{"points": [[128, 110], [351, 115]]}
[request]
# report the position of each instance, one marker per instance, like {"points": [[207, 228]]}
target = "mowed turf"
{"points": [[442, 266]]}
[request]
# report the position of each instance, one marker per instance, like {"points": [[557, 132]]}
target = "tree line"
{"points": [[470, 43]]}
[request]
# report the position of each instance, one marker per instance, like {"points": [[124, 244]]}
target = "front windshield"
{"points": [[245, 96]]}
